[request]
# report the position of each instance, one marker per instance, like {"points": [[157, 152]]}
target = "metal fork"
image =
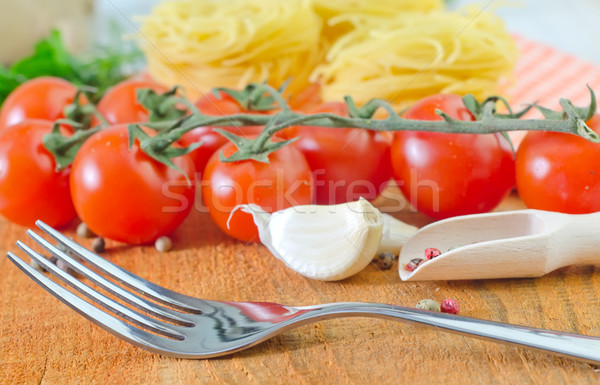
{"points": [[178, 325]]}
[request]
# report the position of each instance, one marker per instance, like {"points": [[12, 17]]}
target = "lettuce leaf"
{"points": [[101, 68]]}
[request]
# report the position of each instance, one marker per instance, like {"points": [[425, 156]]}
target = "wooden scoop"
{"points": [[511, 244]]}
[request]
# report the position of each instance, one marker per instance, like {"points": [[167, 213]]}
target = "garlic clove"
{"points": [[327, 243], [395, 234]]}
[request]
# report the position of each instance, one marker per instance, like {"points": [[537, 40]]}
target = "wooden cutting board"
{"points": [[43, 341]]}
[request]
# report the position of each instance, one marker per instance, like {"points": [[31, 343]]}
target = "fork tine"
{"points": [[113, 325], [152, 290], [141, 303], [102, 300]]}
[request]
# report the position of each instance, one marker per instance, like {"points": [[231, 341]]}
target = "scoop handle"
{"points": [[577, 241]]}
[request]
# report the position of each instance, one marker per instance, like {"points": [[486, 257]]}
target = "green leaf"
{"points": [[50, 58], [548, 113], [445, 116], [8, 82], [510, 143], [101, 68], [161, 107], [353, 110], [261, 155], [367, 110], [472, 105], [240, 142], [255, 97], [135, 131], [63, 148], [593, 105], [271, 147]]}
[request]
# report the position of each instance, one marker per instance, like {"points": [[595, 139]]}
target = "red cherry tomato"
{"points": [[283, 182], [119, 104], [445, 175], [40, 98], [30, 186], [347, 163], [307, 99], [212, 105], [559, 172], [211, 142], [125, 195], [224, 104]]}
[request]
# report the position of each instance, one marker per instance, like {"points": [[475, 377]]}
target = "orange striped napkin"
{"points": [[545, 74]]}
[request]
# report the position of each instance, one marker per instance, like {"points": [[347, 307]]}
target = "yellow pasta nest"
{"points": [[410, 56], [201, 44], [328, 10], [399, 50]]}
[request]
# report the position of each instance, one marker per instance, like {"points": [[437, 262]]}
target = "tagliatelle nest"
{"points": [[201, 44], [408, 57], [398, 50]]}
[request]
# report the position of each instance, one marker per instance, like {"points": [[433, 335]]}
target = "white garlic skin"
{"points": [[322, 242], [395, 234]]}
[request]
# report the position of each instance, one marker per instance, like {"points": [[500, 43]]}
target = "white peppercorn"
{"points": [[36, 265], [428, 304], [163, 244], [84, 231]]}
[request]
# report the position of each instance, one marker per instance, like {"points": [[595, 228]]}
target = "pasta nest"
{"points": [[201, 44], [413, 55], [398, 50]]}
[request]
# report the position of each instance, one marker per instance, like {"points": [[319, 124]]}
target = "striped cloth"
{"points": [[544, 75]]}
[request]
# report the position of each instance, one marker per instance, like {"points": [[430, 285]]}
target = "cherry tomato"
{"points": [[283, 182], [224, 104], [212, 105], [445, 175], [40, 98], [347, 163], [125, 195], [307, 99], [30, 186], [559, 172], [119, 104]]}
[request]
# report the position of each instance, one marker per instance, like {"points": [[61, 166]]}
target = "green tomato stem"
{"points": [[488, 125], [570, 120]]}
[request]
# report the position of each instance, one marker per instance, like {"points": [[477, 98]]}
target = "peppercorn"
{"points": [[163, 244], [432, 252], [66, 250], [84, 231], [385, 260], [66, 268], [98, 245], [413, 264], [36, 265], [450, 306], [428, 304], [62, 248]]}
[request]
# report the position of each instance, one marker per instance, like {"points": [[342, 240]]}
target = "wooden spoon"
{"points": [[511, 244]]}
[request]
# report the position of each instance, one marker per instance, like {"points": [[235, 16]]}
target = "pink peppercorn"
{"points": [[432, 252], [413, 264], [450, 306]]}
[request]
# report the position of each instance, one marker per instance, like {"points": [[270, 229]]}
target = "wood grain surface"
{"points": [[42, 341]]}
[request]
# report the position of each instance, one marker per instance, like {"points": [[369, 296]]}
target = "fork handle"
{"points": [[580, 347]]}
